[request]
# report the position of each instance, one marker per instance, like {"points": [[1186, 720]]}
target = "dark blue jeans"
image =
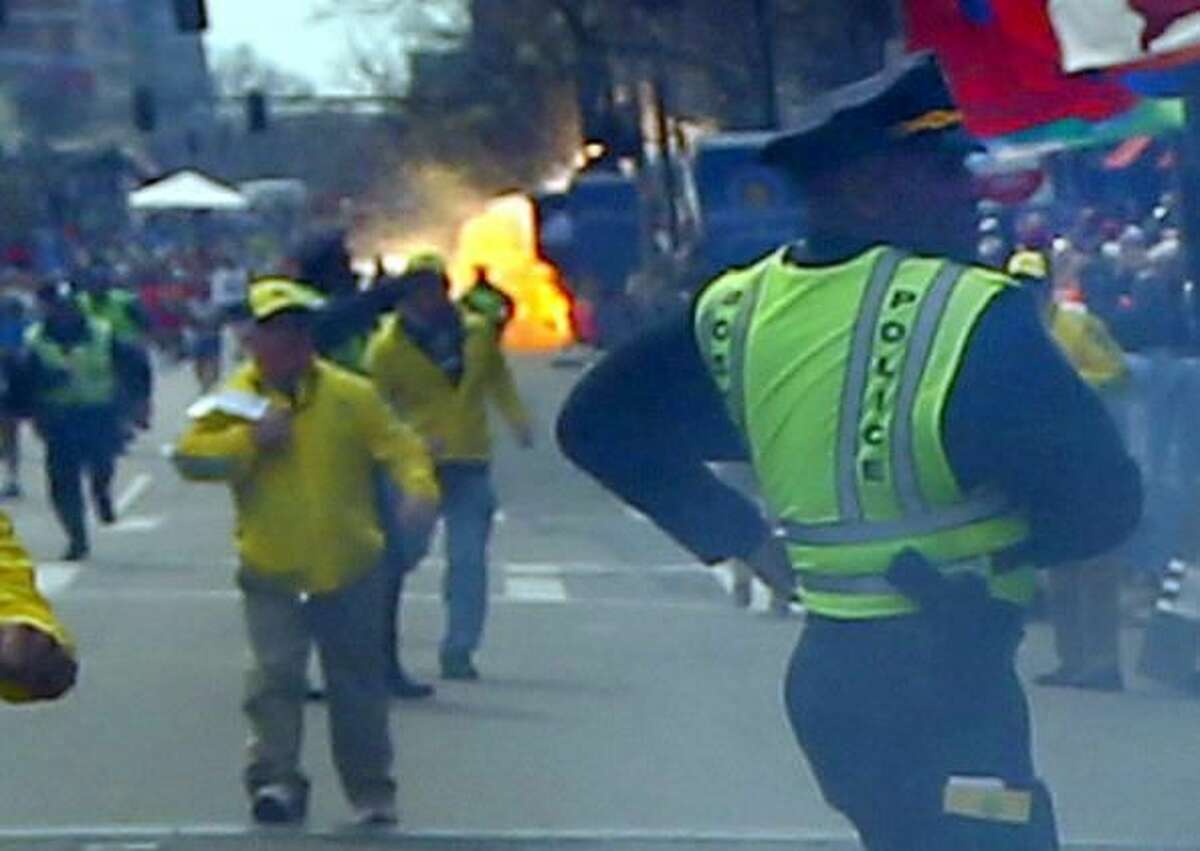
{"points": [[887, 710], [468, 506]]}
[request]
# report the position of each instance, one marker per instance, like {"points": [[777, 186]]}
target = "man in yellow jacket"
{"points": [[1084, 597], [37, 660], [298, 439], [439, 367]]}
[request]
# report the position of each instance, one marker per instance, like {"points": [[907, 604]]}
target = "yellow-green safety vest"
{"points": [[116, 309], [91, 373], [838, 378]]}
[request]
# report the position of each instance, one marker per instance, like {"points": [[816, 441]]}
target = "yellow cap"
{"points": [[275, 295], [426, 261], [1028, 264]]}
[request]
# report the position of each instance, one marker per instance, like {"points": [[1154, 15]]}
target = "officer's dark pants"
{"points": [[886, 711], [86, 442]]}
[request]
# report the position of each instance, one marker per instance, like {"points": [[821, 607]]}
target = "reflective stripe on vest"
{"points": [[91, 377], [838, 377]]}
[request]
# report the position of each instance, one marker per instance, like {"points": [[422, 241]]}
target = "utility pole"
{"points": [[1189, 178], [764, 25]]}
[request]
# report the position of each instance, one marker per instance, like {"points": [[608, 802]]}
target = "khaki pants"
{"points": [[1086, 615], [347, 628]]}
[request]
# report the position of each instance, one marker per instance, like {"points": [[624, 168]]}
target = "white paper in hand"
{"points": [[234, 403]]}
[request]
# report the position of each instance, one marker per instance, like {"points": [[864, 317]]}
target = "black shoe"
{"points": [[458, 666], [76, 551], [104, 509], [314, 694], [276, 804], [11, 491], [404, 687]]}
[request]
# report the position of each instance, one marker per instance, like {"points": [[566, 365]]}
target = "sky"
{"points": [[281, 30]]}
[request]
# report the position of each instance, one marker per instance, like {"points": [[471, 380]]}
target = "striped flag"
{"points": [[1002, 59], [1096, 34]]}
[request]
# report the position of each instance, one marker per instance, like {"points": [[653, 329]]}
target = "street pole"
{"points": [[665, 158], [765, 30], [1189, 180]]}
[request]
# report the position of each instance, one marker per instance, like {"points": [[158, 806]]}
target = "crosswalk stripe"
{"points": [[53, 578], [134, 524], [535, 589], [136, 490]]}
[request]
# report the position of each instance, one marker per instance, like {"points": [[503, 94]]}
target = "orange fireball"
{"points": [[502, 240]]}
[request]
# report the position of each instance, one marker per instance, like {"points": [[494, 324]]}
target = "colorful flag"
{"points": [[1004, 69], [1105, 33]]}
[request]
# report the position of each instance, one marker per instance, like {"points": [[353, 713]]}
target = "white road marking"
{"points": [[53, 578], [136, 490], [540, 589], [135, 524], [147, 837], [547, 598], [724, 574], [633, 514], [523, 568]]}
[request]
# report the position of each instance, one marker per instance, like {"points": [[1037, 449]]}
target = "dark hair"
{"points": [[298, 317]]}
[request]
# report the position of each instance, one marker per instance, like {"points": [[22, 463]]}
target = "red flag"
{"points": [[1005, 74]]}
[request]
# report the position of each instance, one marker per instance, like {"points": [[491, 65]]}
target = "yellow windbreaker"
{"points": [[20, 602], [1088, 345], [307, 519], [452, 418]]}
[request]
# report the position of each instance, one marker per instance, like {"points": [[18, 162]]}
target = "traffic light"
{"points": [[145, 109], [256, 112], [191, 16]]}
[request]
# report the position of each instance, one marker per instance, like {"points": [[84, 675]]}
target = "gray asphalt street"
{"points": [[626, 704]]}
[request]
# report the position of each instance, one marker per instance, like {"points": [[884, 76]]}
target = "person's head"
{"points": [[888, 163], [281, 338], [57, 304], [1033, 231], [96, 280], [991, 251], [424, 296], [1133, 246], [324, 262]]}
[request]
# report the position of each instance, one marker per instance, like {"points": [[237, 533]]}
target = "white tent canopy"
{"points": [[187, 190]]}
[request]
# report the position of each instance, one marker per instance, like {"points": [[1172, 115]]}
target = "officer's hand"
{"points": [[771, 564], [33, 660], [524, 435], [273, 431]]}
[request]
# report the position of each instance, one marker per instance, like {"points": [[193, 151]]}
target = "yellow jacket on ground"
{"points": [[1088, 345], [451, 417], [20, 601], [307, 518]]}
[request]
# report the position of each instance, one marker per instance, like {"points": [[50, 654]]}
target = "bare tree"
{"points": [[241, 69]]}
